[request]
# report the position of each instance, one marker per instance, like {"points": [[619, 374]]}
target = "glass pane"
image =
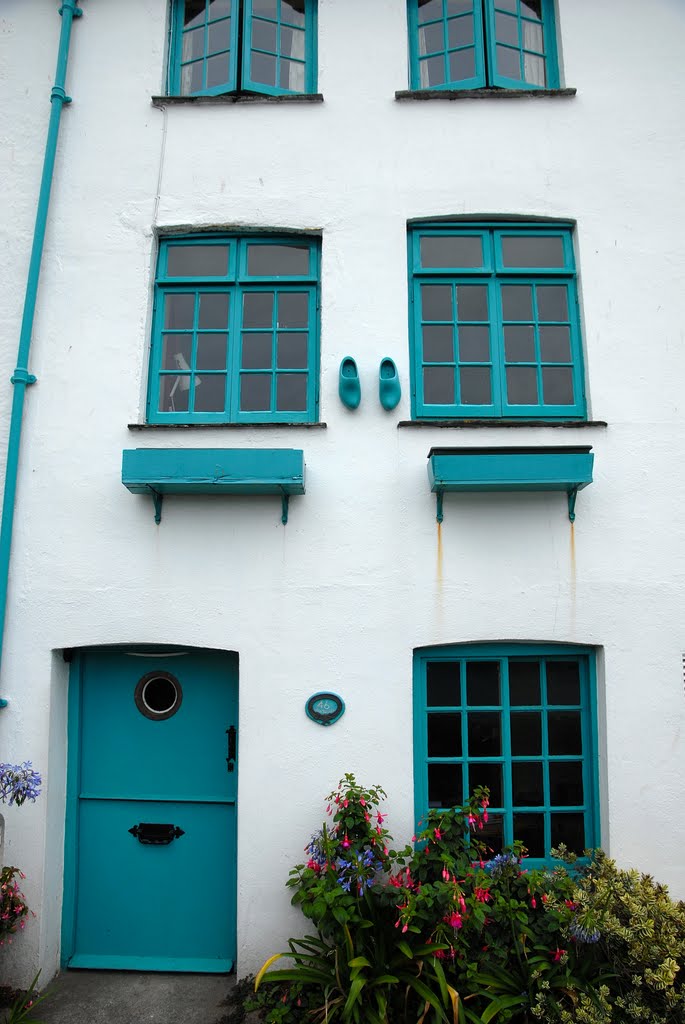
{"points": [[291, 352], [174, 393], [534, 70], [569, 829], [444, 735], [193, 46], [197, 261], [263, 68], [519, 343], [293, 309], [507, 29], [460, 31], [527, 785], [438, 344], [522, 385], [219, 36], [482, 682], [555, 344], [292, 12], [485, 734], [291, 75], [443, 684], [508, 5], [269, 8], [462, 65], [277, 260], [524, 682], [474, 344], [265, 35], [552, 302], [557, 385], [192, 79], [526, 733], [533, 251], [429, 9], [472, 302], [436, 302], [564, 732], [210, 393], [438, 385], [432, 39], [492, 834], [291, 392], [212, 350], [257, 352], [217, 71], [563, 682], [444, 785], [529, 8], [258, 309], [517, 302], [213, 310], [530, 830], [176, 351], [452, 251], [458, 6], [532, 39], [508, 62], [179, 311], [566, 783], [255, 392], [475, 385], [194, 13], [490, 775], [433, 71]]}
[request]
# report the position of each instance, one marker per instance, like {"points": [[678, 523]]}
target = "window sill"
{"points": [[236, 97], [482, 94], [461, 424], [226, 426]]}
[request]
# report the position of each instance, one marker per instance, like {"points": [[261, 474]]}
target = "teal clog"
{"points": [[389, 387], [349, 388]]}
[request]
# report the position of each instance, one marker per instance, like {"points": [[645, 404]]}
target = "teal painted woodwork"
{"points": [[237, 46], [21, 378], [389, 387], [478, 44], [133, 906], [494, 321], [235, 333], [255, 471], [349, 386], [510, 469], [521, 719]]}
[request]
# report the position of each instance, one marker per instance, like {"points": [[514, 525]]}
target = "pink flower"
{"points": [[437, 833], [556, 954], [454, 920], [346, 842], [533, 903], [481, 894], [362, 801]]}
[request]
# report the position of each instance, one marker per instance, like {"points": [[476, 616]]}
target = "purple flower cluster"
{"points": [[18, 783], [498, 865]]}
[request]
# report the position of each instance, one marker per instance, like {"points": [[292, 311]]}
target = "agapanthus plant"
{"points": [[18, 783]]}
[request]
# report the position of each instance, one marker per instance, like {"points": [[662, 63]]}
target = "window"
{"points": [[520, 720], [263, 46], [495, 325], [475, 44], [235, 330]]}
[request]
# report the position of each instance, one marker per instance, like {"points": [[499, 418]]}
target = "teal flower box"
{"points": [[510, 469], [257, 471]]}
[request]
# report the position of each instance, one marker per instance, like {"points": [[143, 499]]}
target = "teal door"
{"points": [[150, 879]]}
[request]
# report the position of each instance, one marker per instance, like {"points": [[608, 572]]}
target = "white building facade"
{"points": [[246, 197]]}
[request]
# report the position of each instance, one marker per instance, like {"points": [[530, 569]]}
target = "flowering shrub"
{"points": [[13, 908], [18, 783]]}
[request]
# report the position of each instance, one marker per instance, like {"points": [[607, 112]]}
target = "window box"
{"points": [[161, 471]]}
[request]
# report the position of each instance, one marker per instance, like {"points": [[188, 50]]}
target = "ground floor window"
{"points": [[520, 719]]}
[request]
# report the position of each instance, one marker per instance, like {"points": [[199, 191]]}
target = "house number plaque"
{"points": [[325, 708]]}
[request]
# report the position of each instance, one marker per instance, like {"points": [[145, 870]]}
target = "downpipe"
{"points": [[21, 378]]}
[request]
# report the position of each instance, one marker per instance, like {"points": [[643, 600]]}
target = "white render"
{"points": [[341, 596]]}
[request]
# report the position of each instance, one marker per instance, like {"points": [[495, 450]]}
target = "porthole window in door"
{"points": [[158, 695]]}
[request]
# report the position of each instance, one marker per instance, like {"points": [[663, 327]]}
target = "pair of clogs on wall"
{"points": [[349, 386]]}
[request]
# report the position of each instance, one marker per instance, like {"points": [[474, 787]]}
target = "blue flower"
{"points": [[18, 783], [583, 934], [498, 865]]}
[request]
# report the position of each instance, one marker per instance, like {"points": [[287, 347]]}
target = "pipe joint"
{"points": [[70, 5], [58, 93], [22, 376]]}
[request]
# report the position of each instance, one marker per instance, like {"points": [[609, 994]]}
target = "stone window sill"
{"points": [[235, 97], [227, 426], [482, 94], [493, 423]]}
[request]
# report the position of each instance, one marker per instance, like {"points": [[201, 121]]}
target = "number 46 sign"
{"points": [[325, 708]]}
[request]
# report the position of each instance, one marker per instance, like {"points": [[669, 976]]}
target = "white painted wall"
{"points": [[341, 596]]}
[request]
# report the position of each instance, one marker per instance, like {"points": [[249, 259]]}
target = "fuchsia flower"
{"points": [[437, 833], [454, 920], [481, 894], [533, 903], [346, 842], [557, 954]]}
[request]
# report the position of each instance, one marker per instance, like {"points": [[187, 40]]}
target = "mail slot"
{"points": [[153, 834]]}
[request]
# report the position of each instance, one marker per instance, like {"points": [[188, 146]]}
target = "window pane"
{"points": [[524, 682], [291, 392], [255, 392], [519, 343], [192, 78], [452, 251], [213, 310], [436, 302], [492, 834], [482, 682], [265, 35], [217, 71], [529, 8], [462, 65], [563, 682], [291, 352], [526, 734], [210, 393], [552, 302], [432, 39], [460, 31], [197, 261], [444, 785], [522, 385], [507, 29], [438, 385], [176, 351], [532, 38], [527, 785], [258, 309], [193, 46], [485, 734], [293, 309], [564, 732], [517, 302], [472, 302], [533, 251], [257, 351], [212, 351], [174, 393], [534, 70], [194, 13], [475, 385], [263, 68], [443, 684], [219, 36], [433, 71], [292, 12], [474, 344], [429, 9], [566, 783], [179, 311], [219, 8], [269, 8], [438, 344], [490, 775], [530, 830], [508, 62], [555, 344], [557, 385], [277, 260], [569, 829], [444, 735]]}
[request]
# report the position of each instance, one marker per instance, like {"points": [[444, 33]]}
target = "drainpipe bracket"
{"points": [[3, 702], [58, 93], [77, 12], [22, 377]]}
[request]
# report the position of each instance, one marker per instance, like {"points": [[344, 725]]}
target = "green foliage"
{"points": [[24, 1005]]}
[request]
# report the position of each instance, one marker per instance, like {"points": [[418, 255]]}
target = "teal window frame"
{"points": [[240, 52], [481, 34], [492, 274], [505, 654], [236, 283]]}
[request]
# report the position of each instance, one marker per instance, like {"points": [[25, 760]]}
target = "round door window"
{"points": [[158, 695]]}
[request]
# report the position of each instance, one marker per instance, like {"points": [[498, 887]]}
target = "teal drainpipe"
{"points": [[21, 378]]}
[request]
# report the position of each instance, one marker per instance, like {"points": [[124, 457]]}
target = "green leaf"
{"points": [[502, 1003]]}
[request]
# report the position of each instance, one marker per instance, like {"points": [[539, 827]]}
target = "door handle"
{"points": [[230, 759]]}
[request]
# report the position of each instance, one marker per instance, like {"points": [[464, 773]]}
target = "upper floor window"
{"points": [[521, 720], [235, 330], [474, 44], [495, 322], [263, 46]]}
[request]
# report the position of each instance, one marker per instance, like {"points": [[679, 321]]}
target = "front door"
{"points": [[150, 880]]}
